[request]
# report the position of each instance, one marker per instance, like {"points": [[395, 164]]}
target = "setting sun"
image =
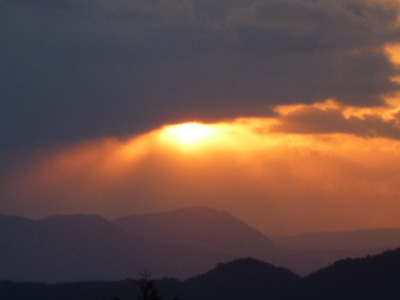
{"points": [[188, 133]]}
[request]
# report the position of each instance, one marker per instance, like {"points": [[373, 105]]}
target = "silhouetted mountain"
{"points": [[84, 247], [94, 290], [200, 226], [328, 247], [376, 277], [180, 244], [240, 279], [216, 230], [248, 279]]}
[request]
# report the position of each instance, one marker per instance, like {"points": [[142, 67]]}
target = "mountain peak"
{"points": [[200, 226], [250, 267], [246, 278]]}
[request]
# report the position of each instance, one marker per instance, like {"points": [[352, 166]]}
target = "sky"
{"points": [[285, 113]]}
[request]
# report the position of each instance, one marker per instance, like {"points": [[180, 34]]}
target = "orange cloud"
{"points": [[316, 167], [332, 117]]}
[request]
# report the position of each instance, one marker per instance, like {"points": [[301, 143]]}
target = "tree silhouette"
{"points": [[147, 287]]}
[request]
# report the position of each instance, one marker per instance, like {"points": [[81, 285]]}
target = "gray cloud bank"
{"points": [[72, 70], [311, 120]]}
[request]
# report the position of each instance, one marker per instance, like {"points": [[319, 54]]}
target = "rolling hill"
{"points": [[369, 278], [180, 244], [87, 247], [216, 230]]}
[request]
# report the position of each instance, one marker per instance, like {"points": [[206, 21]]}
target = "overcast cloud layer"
{"points": [[72, 70]]}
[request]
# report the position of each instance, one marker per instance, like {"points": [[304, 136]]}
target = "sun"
{"points": [[188, 134]]}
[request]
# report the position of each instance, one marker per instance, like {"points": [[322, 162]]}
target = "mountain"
{"points": [[328, 247], [332, 241], [241, 279], [372, 277], [86, 290], [200, 226], [87, 247], [369, 278], [178, 243], [216, 230], [248, 279]]}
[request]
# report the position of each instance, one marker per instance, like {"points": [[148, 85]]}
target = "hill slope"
{"points": [[179, 243], [216, 230], [85, 247], [200, 226], [375, 277], [242, 279]]}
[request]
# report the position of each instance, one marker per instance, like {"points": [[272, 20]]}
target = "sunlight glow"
{"points": [[262, 167], [188, 134], [393, 53]]}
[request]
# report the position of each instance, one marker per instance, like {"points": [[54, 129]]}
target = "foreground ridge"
{"points": [[373, 277]]}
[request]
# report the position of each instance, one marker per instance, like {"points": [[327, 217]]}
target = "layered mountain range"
{"points": [[179, 244], [375, 277]]}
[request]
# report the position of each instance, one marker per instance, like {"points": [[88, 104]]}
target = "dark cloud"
{"points": [[318, 25], [311, 120], [73, 70]]}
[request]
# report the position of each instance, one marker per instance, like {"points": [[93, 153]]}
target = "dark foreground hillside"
{"points": [[242, 279], [376, 277], [93, 290]]}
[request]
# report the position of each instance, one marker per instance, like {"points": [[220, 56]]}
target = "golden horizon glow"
{"points": [[282, 175]]}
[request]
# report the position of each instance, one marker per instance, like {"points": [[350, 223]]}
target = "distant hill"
{"points": [[216, 230], [248, 279], [180, 244], [87, 247], [348, 240], [328, 247], [370, 278], [201, 226]]}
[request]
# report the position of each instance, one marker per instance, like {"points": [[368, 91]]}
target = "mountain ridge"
{"points": [[188, 225], [179, 243], [368, 278], [70, 248]]}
